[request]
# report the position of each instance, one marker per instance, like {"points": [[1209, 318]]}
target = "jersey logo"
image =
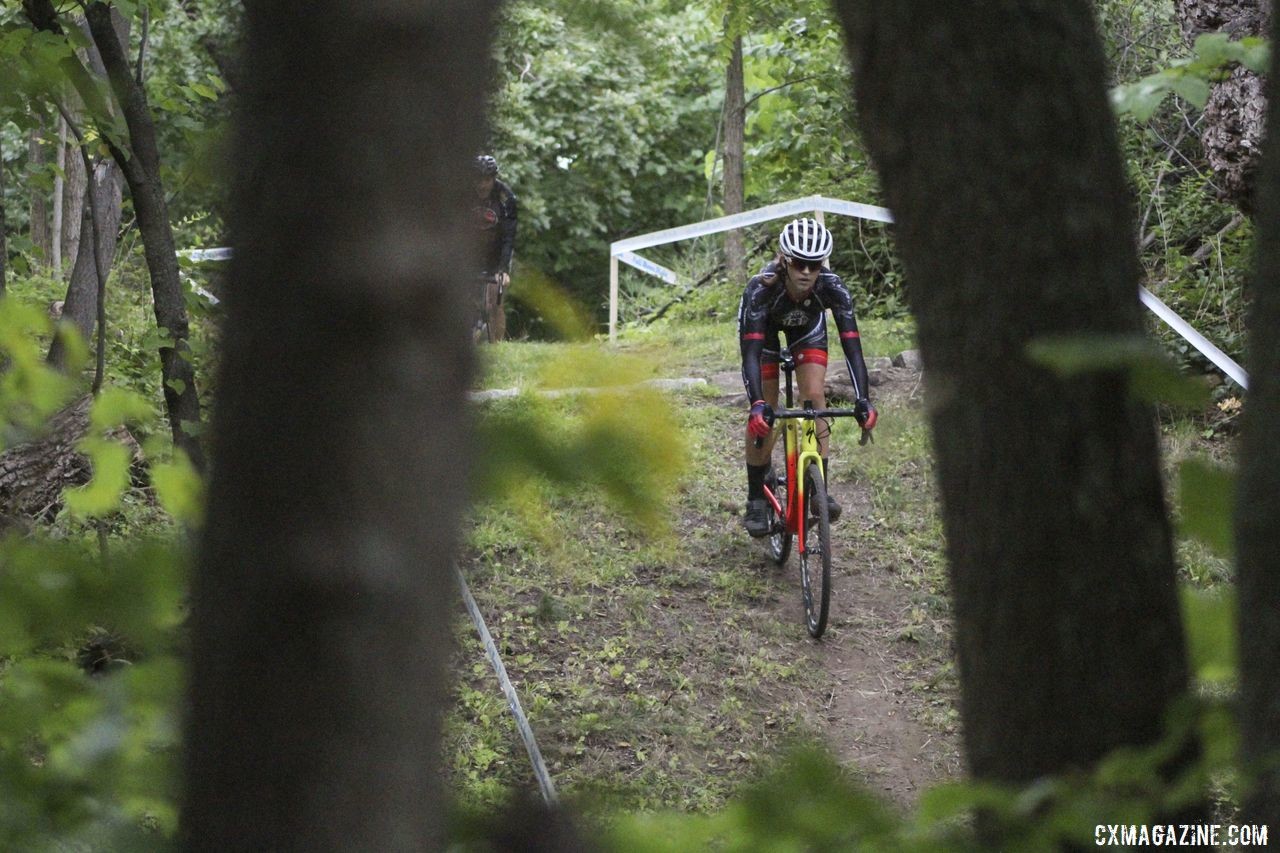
{"points": [[486, 217], [794, 318]]}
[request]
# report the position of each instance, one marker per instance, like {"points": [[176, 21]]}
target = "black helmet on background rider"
{"points": [[805, 240], [486, 166]]}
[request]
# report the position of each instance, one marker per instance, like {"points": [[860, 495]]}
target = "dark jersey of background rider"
{"points": [[495, 215]]}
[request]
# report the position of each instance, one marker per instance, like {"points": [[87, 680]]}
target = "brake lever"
{"points": [[867, 438]]}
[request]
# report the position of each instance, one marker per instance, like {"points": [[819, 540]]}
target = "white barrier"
{"points": [[1223, 361], [625, 250], [200, 255]]}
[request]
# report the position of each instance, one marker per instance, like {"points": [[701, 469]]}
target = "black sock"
{"points": [[826, 470], [755, 481]]}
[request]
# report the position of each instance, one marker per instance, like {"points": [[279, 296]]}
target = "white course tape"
{"points": [[646, 265], [206, 254]]}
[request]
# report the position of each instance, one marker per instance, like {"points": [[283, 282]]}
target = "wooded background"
{"points": [[1042, 159]]}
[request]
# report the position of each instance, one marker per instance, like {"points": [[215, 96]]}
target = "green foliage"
{"points": [[83, 758], [575, 441], [1210, 620], [1212, 58], [580, 138], [1152, 376], [1207, 498], [86, 760], [1195, 252], [30, 390]]}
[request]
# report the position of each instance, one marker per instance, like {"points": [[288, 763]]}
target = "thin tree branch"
{"points": [[758, 95], [142, 45]]}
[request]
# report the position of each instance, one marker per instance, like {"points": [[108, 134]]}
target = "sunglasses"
{"points": [[803, 266]]}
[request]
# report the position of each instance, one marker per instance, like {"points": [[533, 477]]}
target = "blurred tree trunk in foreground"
{"points": [[1258, 504], [995, 143], [320, 618]]}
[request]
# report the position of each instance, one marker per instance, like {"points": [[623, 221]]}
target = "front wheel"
{"points": [[779, 536], [815, 557]]}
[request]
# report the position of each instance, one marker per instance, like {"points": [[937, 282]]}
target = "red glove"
{"points": [[760, 420], [865, 413]]}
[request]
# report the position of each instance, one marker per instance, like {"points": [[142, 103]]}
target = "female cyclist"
{"points": [[792, 295]]}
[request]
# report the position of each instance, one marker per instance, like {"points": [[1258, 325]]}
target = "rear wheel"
{"points": [[779, 536], [815, 558]]}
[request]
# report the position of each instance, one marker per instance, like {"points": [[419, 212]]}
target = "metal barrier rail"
{"points": [[1223, 361], [623, 250], [547, 787]]}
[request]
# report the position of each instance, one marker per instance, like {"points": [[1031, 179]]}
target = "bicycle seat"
{"points": [[785, 361]]}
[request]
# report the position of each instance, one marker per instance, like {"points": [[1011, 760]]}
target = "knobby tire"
{"points": [[779, 536], [815, 561]]}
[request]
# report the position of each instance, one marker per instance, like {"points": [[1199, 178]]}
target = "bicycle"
{"points": [[482, 330], [797, 506]]}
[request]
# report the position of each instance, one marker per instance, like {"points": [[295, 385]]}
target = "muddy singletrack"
{"points": [[672, 672], [874, 715]]}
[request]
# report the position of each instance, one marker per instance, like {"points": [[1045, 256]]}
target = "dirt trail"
{"points": [[873, 712], [876, 718]]}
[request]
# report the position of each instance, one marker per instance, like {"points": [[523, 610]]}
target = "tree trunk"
{"points": [[33, 474], [142, 172], [80, 307], [322, 600], [1258, 506], [1234, 114], [39, 205], [59, 208], [73, 190], [4, 235], [141, 167], [735, 117], [995, 143]]}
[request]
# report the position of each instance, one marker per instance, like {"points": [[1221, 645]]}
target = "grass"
{"points": [[645, 660], [654, 662], [666, 348]]}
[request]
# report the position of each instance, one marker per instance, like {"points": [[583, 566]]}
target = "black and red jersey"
{"points": [[495, 216], [767, 309]]}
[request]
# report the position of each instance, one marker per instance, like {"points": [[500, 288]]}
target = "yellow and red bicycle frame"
{"points": [[800, 444]]}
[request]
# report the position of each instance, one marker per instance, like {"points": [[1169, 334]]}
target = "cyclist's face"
{"points": [[801, 275], [484, 186]]}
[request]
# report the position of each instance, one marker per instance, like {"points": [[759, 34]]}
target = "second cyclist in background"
{"points": [[791, 295], [495, 216]]}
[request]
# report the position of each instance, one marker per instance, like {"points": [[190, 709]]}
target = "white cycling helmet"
{"points": [[805, 239]]}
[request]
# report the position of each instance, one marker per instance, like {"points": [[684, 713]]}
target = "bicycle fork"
{"points": [[797, 461]]}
